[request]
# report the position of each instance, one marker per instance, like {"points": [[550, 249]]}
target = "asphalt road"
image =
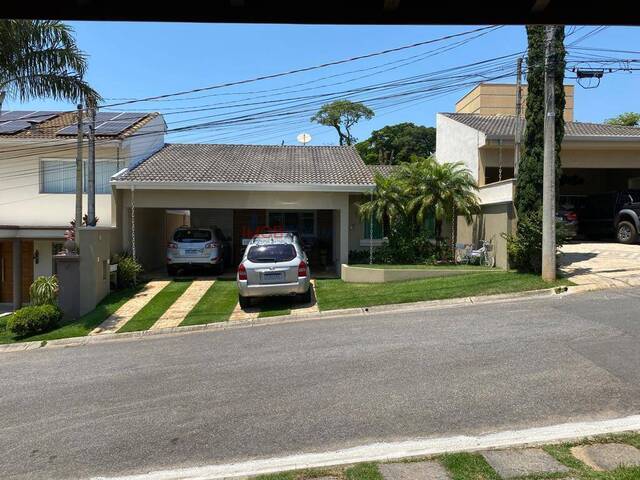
{"points": [[202, 398]]}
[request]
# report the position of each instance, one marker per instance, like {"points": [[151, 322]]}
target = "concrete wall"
{"points": [[94, 266], [490, 224], [362, 274], [146, 141], [500, 99], [456, 142]]}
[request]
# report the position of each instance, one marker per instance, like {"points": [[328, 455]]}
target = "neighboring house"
{"points": [[37, 192], [595, 158], [244, 189]]}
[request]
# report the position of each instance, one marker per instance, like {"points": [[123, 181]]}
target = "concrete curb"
{"points": [[283, 319]]}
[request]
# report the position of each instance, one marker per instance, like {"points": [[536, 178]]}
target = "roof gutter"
{"points": [[574, 138], [246, 186]]}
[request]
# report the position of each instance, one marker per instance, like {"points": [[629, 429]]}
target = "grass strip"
{"points": [[160, 303], [216, 305], [363, 471], [334, 293], [468, 466], [84, 324]]}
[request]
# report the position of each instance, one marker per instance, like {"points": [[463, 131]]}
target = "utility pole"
{"points": [[2, 95], [549, 176], [518, 133], [79, 174], [91, 169]]}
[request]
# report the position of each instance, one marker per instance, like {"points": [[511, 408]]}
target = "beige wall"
{"points": [[500, 99], [490, 224], [94, 266]]}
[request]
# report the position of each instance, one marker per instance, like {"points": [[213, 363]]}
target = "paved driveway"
{"points": [[604, 264]]}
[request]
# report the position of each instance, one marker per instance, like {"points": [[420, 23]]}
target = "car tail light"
{"points": [[302, 269], [172, 245], [571, 217], [242, 272], [211, 245]]}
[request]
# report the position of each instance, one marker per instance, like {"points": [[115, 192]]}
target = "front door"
{"points": [[6, 275]]}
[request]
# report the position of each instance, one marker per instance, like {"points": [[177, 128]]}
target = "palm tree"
{"points": [[446, 189], [386, 202], [40, 58]]}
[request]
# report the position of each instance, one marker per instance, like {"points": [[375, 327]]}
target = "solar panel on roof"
{"points": [[114, 127], [105, 116], [130, 116], [72, 130], [40, 117], [15, 115], [14, 126]]}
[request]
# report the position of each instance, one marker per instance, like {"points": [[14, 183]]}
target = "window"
{"points": [[192, 236], [377, 229], [302, 222], [283, 252], [59, 176]]}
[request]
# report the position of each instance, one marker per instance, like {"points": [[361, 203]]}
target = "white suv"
{"points": [[273, 264], [194, 247]]}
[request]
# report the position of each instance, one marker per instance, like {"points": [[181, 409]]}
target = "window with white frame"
{"points": [[59, 176]]}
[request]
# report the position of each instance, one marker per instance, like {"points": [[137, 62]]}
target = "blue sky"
{"points": [[133, 60]]}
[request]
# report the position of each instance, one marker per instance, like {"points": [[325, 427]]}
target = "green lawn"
{"points": [[152, 311], [85, 324], [335, 293], [424, 267], [216, 305]]}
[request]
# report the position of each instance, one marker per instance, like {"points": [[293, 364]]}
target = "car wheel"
{"points": [[172, 271], [306, 296], [245, 302], [626, 232], [219, 268]]}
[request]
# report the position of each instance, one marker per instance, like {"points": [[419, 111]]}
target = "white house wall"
{"points": [[22, 203], [144, 142], [456, 142]]}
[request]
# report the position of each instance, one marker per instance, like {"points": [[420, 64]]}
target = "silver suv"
{"points": [[195, 247], [273, 264]]}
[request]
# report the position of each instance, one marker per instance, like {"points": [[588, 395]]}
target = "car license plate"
{"points": [[193, 251], [272, 277]]}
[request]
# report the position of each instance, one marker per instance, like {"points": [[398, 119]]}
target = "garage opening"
{"points": [[316, 229]]}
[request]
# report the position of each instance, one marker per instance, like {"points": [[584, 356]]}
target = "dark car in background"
{"points": [[567, 214], [610, 214]]}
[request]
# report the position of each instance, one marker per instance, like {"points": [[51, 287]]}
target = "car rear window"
{"points": [[283, 252], [192, 236]]}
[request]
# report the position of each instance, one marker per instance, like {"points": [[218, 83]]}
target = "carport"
{"points": [[242, 190]]}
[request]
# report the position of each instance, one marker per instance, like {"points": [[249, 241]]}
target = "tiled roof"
{"points": [[49, 128], [209, 163], [504, 126], [384, 170]]}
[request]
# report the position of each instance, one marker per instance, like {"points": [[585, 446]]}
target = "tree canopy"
{"points": [[40, 58], [628, 119], [396, 144], [342, 115]]}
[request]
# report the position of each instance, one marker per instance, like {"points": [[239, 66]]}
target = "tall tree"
{"points": [[343, 115], [395, 144], [40, 58], [627, 119], [529, 182]]}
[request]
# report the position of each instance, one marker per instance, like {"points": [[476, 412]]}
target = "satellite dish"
{"points": [[304, 138]]}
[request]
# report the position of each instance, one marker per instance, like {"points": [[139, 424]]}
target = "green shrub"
{"points": [[128, 271], [33, 320], [3, 323], [44, 291], [524, 248]]}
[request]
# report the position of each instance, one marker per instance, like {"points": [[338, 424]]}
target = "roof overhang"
{"points": [[8, 232], [253, 187], [509, 139]]}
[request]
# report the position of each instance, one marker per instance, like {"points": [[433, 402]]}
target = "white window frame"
{"points": [[72, 160]]}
